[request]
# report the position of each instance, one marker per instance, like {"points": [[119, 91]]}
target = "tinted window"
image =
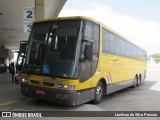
{"points": [[109, 42], [120, 47], [92, 33], [112, 44], [96, 39]]}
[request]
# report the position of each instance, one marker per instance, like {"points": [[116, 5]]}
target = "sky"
{"points": [[137, 20]]}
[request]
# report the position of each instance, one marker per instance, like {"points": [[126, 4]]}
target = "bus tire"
{"points": [[98, 93]]}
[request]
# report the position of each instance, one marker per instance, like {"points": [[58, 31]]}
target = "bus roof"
{"points": [[90, 19], [68, 18]]}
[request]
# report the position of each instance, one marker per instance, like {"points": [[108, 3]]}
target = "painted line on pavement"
{"points": [[8, 103]]}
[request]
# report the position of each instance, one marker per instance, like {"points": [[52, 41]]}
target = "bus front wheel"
{"points": [[98, 93]]}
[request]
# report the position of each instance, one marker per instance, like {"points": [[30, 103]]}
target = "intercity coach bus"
{"points": [[73, 60]]}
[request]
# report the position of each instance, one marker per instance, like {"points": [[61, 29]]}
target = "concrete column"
{"points": [[5, 53], [6, 62], [39, 9], [46, 9]]}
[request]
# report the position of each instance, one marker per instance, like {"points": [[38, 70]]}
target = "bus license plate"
{"points": [[40, 92]]}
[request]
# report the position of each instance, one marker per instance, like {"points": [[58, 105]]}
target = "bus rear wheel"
{"points": [[98, 93]]}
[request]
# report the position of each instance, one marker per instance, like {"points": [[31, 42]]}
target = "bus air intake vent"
{"points": [[48, 84], [34, 82]]}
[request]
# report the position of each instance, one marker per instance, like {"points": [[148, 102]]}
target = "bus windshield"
{"points": [[52, 49]]}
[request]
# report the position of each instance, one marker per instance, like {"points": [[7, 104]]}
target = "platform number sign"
{"points": [[27, 26], [29, 12]]}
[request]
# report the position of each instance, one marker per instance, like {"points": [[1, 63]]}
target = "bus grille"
{"points": [[48, 84], [34, 82]]}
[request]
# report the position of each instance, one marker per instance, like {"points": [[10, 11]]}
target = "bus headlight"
{"points": [[24, 81], [68, 87]]}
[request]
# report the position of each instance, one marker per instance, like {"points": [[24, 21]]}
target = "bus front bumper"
{"points": [[66, 97]]}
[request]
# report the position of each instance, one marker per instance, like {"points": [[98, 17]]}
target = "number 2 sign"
{"points": [[28, 12]]}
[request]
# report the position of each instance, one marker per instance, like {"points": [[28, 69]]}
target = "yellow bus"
{"points": [[73, 60]]}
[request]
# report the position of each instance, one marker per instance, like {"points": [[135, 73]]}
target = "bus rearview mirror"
{"points": [[88, 52]]}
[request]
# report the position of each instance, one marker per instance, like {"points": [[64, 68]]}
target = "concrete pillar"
{"points": [[45, 9], [5, 53], [6, 62], [39, 9]]}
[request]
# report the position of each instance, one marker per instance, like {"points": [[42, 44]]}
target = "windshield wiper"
{"points": [[59, 76], [31, 69]]}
